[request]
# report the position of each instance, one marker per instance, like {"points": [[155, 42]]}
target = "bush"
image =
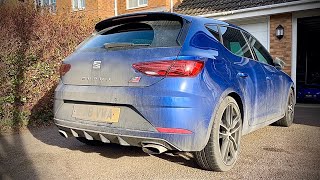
{"points": [[32, 45]]}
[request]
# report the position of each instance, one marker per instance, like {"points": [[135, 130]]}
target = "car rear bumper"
{"points": [[142, 111]]}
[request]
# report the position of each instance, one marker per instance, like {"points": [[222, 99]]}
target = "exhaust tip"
{"points": [[63, 133], [154, 149]]}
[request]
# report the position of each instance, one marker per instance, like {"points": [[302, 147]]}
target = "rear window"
{"points": [[160, 33]]}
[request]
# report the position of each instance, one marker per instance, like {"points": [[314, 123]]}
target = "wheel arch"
{"points": [[238, 99], [241, 104], [294, 92]]}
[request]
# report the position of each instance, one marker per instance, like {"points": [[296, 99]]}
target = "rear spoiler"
{"points": [[139, 17]]}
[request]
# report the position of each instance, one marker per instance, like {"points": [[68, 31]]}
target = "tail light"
{"points": [[64, 68], [178, 68], [173, 130]]}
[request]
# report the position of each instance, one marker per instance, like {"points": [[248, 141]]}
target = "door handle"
{"points": [[268, 78], [242, 75]]}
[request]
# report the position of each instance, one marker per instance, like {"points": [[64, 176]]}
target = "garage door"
{"points": [[258, 28]]}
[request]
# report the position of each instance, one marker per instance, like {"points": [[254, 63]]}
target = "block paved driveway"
{"points": [[269, 153]]}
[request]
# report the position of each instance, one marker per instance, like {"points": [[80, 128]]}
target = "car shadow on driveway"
{"points": [[182, 158]]}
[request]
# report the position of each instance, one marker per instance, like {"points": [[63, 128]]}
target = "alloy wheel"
{"points": [[229, 134], [290, 109]]}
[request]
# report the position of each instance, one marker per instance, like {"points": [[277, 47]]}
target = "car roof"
{"points": [[205, 20], [102, 24]]}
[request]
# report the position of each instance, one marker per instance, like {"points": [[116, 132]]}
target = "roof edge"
{"points": [[260, 8]]}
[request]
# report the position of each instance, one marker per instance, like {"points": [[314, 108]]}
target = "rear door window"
{"points": [[214, 31], [234, 41], [261, 53], [160, 33]]}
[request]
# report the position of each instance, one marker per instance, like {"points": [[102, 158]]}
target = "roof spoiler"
{"points": [[138, 17]]}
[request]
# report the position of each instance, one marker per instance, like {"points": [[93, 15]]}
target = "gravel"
{"points": [[268, 153]]}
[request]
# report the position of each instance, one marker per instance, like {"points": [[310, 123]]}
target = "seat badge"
{"points": [[96, 65], [135, 79]]}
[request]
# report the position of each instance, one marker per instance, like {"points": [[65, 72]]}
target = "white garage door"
{"points": [[258, 28]]}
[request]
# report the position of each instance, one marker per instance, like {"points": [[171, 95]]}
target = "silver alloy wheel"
{"points": [[229, 134], [290, 108]]}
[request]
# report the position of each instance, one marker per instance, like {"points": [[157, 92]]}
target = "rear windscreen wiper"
{"points": [[120, 45]]}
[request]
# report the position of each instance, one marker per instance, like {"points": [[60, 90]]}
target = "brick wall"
{"points": [[152, 4], [174, 2], [105, 9], [65, 6], [122, 7], [281, 48]]}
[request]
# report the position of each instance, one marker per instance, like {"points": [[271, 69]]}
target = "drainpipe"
{"points": [[171, 5], [115, 8]]}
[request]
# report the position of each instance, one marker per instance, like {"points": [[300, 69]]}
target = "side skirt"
{"points": [[261, 125]]}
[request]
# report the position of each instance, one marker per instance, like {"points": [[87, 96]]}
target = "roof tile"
{"points": [[198, 7]]}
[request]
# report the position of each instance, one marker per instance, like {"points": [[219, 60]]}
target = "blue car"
{"points": [[308, 93], [167, 82]]}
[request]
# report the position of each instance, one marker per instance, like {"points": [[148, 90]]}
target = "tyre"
{"points": [[223, 147], [287, 120], [90, 142]]}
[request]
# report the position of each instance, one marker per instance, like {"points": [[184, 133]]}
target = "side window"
{"points": [[261, 53], [235, 42], [214, 31]]}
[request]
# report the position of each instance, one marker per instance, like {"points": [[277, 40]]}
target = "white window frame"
{"points": [[139, 5], [42, 2], [50, 4], [79, 3]]}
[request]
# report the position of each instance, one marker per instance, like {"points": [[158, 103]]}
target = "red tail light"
{"points": [[174, 130], [64, 68], [178, 68]]}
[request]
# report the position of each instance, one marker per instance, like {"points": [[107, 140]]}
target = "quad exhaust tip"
{"points": [[154, 149]]}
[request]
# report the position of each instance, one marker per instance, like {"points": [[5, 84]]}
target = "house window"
{"points": [[136, 3], [50, 4], [78, 5]]}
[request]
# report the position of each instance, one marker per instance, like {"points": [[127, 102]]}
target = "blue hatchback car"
{"points": [[169, 82]]}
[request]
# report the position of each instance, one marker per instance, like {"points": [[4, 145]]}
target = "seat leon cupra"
{"points": [[167, 82]]}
